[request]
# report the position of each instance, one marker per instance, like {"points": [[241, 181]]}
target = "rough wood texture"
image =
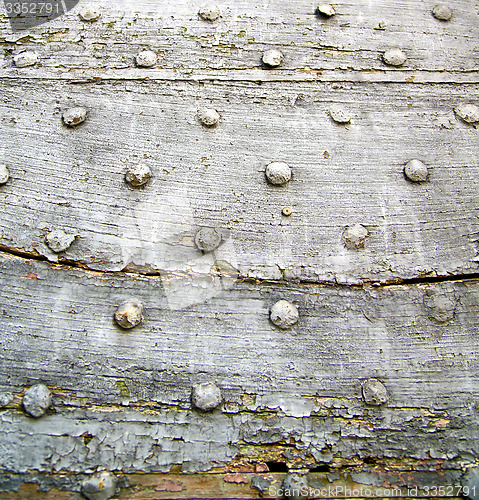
{"points": [[402, 310]]}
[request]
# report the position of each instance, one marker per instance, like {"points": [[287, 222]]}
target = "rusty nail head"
{"points": [[146, 59], [90, 13], [209, 12], [416, 171], [272, 57], [208, 117], [339, 113], [208, 239], [36, 400], [74, 116], [206, 397], [4, 174], [138, 175], [326, 10], [129, 314], [59, 241], [442, 12], [287, 211], [394, 57], [468, 112], [24, 59], [278, 173], [355, 236], [99, 486], [284, 314], [374, 392]]}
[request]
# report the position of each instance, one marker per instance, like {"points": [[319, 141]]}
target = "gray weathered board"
{"points": [[293, 397]]}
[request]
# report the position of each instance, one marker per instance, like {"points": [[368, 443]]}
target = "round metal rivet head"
{"points": [[100, 486], [284, 314], [439, 306], [394, 57], [24, 59], [74, 116], [36, 400], [5, 399], [416, 171], [206, 397], [470, 483], [287, 211], [442, 12], [278, 173], [339, 113], [209, 12], [129, 314], [355, 237], [4, 174], [468, 112], [295, 487], [272, 57], [146, 59], [138, 175], [208, 117], [326, 10], [90, 13], [59, 241], [208, 239], [374, 392]]}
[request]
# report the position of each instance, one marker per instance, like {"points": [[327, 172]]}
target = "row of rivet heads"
{"points": [[277, 173], [211, 12], [205, 397]]}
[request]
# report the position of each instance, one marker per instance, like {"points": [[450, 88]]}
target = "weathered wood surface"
{"points": [[354, 39], [292, 398], [345, 335], [74, 179]]}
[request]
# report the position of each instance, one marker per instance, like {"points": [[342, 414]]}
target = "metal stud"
{"points": [[287, 211], [470, 483], [442, 12], [326, 10], [24, 59], [129, 314], [374, 392], [415, 171], [206, 397], [59, 241], [90, 13], [74, 116], [209, 12], [284, 314], [439, 306], [208, 239], [138, 175], [295, 487], [394, 57], [339, 113], [278, 173], [100, 486], [36, 400], [355, 237], [208, 117], [468, 112], [147, 59], [272, 58], [4, 174]]}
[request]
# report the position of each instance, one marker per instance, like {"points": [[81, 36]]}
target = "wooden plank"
{"points": [[74, 179], [355, 38], [58, 327]]}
